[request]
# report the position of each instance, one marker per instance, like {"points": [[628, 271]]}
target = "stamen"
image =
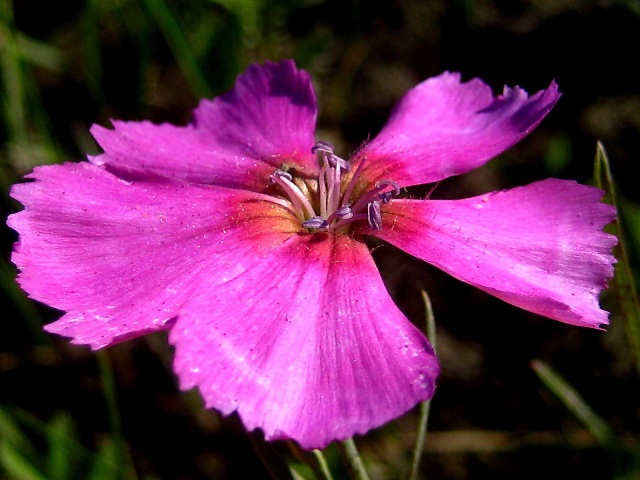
{"points": [[352, 183], [374, 216], [333, 196], [322, 189], [327, 150], [344, 212], [316, 223], [335, 160], [385, 197], [300, 203], [337, 225], [328, 195], [378, 193], [281, 173], [322, 147]]}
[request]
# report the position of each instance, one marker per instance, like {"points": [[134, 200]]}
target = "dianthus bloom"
{"points": [[243, 235]]}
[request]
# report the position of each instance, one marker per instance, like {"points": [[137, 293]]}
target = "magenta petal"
{"points": [[236, 140], [121, 257], [539, 247], [443, 127], [306, 345]]}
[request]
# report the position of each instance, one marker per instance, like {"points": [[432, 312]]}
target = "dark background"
{"points": [[66, 65]]}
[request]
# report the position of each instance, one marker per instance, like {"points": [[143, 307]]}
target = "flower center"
{"points": [[328, 203]]}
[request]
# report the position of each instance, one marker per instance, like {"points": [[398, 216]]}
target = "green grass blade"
{"points": [[425, 407], [14, 114], [16, 465], [622, 285], [179, 45], [575, 403], [10, 431], [40, 54], [45, 430], [248, 13], [105, 465], [89, 25], [29, 141], [60, 460]]}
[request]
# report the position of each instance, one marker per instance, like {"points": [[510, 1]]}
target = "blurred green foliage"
{"points": [[66, 65]]}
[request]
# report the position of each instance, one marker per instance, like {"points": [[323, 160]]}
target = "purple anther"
{"points": [[385, 197], [282, 173], [374, 217], [316, 223], [334, 161], [396, 187], [322, 147], [344, 212]]}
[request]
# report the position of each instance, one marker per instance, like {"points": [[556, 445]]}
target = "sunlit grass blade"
{"points": [[574, 402], [10, 432], [65, 457], [177, 41], [71, 446], [622, 285], [424, 406], [39, 53], [16, 465]]}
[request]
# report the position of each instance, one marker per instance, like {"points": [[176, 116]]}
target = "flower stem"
{"points": [[321, 467], [424, 406], [315, 459], [351, 457]]}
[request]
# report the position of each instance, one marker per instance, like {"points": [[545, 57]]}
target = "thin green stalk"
{"points": [[126, 470], [89, 26], [321, 467], [622, 283], [315, 459], [574, 402], [353, 460], [426, 405]]}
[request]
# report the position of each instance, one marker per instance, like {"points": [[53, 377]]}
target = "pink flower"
{"points": [[244, 236]]}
